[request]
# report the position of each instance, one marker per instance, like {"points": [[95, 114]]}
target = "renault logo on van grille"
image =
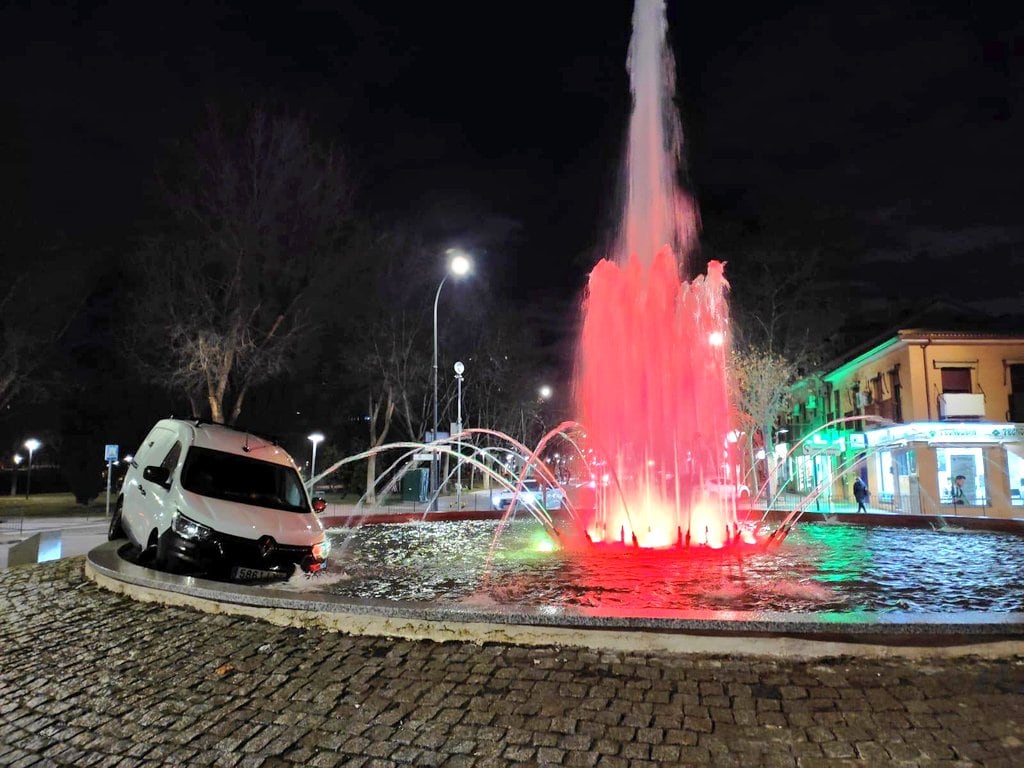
{"points": [[266, 546]]}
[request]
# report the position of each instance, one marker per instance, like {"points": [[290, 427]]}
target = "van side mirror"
{"points": [[319, 504], [158, 475]]}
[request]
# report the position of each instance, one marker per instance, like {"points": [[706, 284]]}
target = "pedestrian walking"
{"points": [[860, 493]]}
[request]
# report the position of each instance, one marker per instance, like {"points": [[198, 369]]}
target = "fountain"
{"points": [[651, 375], [652, 549]]}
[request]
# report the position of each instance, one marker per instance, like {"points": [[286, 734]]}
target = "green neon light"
{"points": [[842, 371]]}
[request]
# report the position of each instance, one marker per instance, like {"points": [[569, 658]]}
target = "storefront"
{"points": [[948, 468]]}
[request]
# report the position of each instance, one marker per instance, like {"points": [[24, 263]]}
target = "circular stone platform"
{"points": [[719, 632]]}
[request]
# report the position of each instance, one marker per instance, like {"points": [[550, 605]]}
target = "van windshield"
{"points": [[246, 480]]}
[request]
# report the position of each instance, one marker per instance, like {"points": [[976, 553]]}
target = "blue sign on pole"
{"points": [[110, 453]]}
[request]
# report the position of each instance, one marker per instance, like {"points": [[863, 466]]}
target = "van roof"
{"points": [[229, 439]]}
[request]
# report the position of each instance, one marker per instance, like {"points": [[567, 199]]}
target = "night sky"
{"points": [[886, 135]]}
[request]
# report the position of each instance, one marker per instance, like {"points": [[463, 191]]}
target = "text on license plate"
{"points": [[253, 573]]}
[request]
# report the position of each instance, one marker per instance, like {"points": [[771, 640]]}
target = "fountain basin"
{"points": [[763, 632]]}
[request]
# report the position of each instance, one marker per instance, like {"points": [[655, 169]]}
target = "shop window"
{"points": [[968, 463], [887, 477], [1015, 471]]}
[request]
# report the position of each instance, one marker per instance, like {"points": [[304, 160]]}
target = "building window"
{"points": [[1016, 393], [956, 380], [875, 389]]}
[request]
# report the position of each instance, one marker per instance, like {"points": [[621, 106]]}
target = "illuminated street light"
{"points": [[32, 445], [18, 458], [316, 438], [459, 264], [545, 392]]}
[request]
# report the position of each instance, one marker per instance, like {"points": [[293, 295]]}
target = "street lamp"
{"points": [[459, 370], [32, 445], [459, 264], [18, 458], [545, 392], [316, 438]]}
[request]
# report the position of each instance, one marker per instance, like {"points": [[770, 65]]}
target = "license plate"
{"points": [[254, 574]]}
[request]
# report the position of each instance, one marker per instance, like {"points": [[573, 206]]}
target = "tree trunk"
{"points": [[377, 439], [769, 457], [216, 410], [753, 462], [237, 409], [371, 480]]}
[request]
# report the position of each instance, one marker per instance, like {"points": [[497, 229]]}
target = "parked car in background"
{"points": [[207, 499], [532, 492]]}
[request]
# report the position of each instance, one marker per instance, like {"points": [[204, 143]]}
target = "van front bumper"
{"points": [[219, 554]]}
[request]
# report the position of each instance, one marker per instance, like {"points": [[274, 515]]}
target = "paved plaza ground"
{"points": [[88, 677]]}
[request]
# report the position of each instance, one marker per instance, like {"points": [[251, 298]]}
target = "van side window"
{"points": [[171, 459]]}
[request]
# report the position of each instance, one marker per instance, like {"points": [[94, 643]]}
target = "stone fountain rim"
{"points": [[813, 634]]}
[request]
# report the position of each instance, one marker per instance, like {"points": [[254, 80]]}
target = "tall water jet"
{"points": [[651, 384]]}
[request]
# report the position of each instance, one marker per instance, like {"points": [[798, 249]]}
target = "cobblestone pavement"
{"points": [[88, 677]]}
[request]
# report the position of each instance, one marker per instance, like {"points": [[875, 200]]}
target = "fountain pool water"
{"points": [[844, 570]]}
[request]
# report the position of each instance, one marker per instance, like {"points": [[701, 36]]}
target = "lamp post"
{"points": [[544, 392], [459, 369], [18, 458], [459, 264], [32, 445], [316, 438]]}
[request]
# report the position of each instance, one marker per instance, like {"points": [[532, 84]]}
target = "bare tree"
{"points": [[257, 230], [761, 381], [782, 304], [29, 330], [390, 366]]}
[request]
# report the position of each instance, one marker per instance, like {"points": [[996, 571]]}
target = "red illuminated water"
{"points": [[651, 385]]}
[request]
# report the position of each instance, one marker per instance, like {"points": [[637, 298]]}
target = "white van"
{"points": [[208, 499]]}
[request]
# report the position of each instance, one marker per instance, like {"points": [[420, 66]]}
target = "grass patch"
{"points": [[52, 505]]}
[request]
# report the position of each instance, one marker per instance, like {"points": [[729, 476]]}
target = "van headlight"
{"points": [[322, 549], [189, 529]]}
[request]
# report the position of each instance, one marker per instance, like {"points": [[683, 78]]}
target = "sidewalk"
{"points": [[90, 677], [77, 534]]}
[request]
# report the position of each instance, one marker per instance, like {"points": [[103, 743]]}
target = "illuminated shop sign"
{"points": [[946, 432], [826, 442]]}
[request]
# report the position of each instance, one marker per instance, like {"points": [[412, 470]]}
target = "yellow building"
{"points": [[910, 416]]}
